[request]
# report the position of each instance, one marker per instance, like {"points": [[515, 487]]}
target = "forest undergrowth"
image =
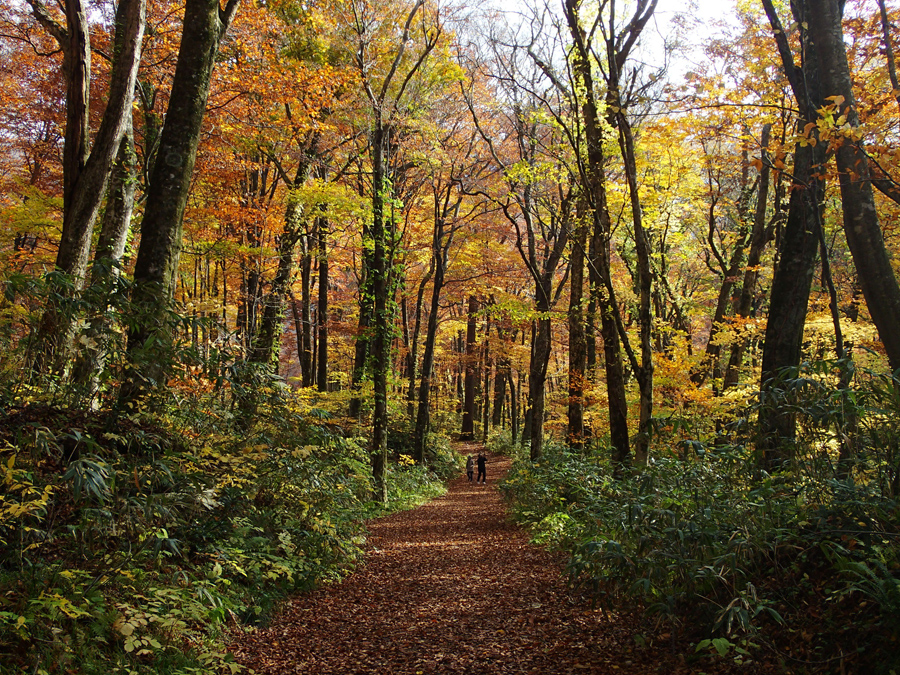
{"points": [[131, 540], [799, 566]]}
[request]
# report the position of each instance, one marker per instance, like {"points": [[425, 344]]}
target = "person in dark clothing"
{"points": [[482, 473], [470, 467]]}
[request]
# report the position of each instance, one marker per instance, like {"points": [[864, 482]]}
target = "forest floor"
{"points": [[454, 586]]}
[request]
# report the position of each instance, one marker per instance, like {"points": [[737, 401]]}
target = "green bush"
{"points": [[708, 542]]}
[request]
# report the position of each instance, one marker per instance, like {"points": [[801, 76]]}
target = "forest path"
{"points": [[449, 587]]}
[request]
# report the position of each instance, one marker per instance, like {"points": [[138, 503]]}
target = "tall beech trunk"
{"points": [[728, 272], [537, 370], [644, 369], [413, 353], [306, 359], [264, 347], [107, 258], [500, 379], [382, 234], [889, 49], [593, 176], [86, 174], [782, 349], [440, 252], [159, 252], [861, 226]]}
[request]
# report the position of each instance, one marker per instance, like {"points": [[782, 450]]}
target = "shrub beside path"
{"points": [[450, 587]]}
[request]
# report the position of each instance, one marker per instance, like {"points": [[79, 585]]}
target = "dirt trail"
{"points": [[449, 587]]}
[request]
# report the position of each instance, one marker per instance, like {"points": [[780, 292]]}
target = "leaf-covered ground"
{"points": [[451, 587]]}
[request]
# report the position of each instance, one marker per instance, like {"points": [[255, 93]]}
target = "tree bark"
{"points": [[861, 226], [159, 252], [759, 237], [577, 339], [85, 175], [467, 432], [322, 310], [782, 349]]}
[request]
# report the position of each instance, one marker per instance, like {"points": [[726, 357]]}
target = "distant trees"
{"points": [[474, 223]]}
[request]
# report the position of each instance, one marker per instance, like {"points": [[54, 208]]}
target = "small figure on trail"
{"points": [[470, 467], [482, 473]]}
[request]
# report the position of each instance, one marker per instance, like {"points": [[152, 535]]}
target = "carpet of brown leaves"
{"points": [[451, 587]]}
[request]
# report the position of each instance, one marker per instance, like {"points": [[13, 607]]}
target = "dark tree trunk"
{"points": [[439, 252], [889, 49], [306, 361], [593, 175], [414, 348], [471, 373], [322, 310], [159, 252], [861, 226], [537, 371], [577, 339], [791, 284], [381, 324], [107, 258], [644, 370]]}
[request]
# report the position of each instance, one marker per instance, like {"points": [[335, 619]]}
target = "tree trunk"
{"points": [[306, 361], [414, 347], [107, 258], [782, 349], [159, 252], [468, 418], [889, 49], [85, 176], [439, 254], [577, 340], [381, 292], [594, 179], [322, 310], [861, 226], [537, 371], [759, 237]]}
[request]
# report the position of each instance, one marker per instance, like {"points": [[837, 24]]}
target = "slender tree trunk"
{"points": [[537, 372], [414, 347], [644, 371], [759, 237], [782, 349], [577, 341], [889, 49], [306, 362], [423, 415], [107, 258], [322, 311], [468, 418], [594, 178], [381, 292]]}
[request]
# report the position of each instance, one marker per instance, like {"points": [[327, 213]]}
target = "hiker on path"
{"points": [[482, 473], [470, 467]]}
